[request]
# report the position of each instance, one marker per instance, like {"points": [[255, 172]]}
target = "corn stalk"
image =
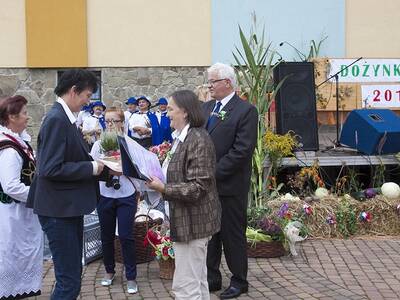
{"points": [[254, 70]]}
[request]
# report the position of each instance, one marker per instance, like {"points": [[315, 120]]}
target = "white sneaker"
{"points": [[107, 281], [131, 287]]}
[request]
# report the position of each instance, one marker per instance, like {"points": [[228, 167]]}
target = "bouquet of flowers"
{"points": [[110, 148], [161, 242], [162, 151]]}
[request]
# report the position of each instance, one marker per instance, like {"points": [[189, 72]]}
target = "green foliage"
{"points": [[346, 218], [255, 214], [347, 181], [315, 48], [109, 141], [378, 178], [254, 71]]}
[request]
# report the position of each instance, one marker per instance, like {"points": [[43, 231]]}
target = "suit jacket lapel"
{"points": [[81, 140], [227, 108]]}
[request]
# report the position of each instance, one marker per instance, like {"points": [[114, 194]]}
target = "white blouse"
{"points": [[11, 165], [127, 188], [141, 120], [21, 242]]}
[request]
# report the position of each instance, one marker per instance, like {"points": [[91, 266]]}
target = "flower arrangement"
{"points": [[161, 242], [277, 147], [162, 151], [306, 181], [109, 146]]}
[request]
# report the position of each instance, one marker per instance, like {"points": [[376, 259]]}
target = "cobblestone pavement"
{"points": [[325, 269]]}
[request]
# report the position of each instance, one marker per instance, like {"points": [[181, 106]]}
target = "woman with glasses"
{"points": [[117, 202], [195, 211]]}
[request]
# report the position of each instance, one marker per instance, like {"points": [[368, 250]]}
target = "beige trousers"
{"points": [[190, 277]]}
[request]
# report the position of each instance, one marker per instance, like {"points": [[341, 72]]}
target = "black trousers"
{"points": [[232, 238]]}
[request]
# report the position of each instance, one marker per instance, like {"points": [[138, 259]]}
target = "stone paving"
{"points": [[365, 268]]}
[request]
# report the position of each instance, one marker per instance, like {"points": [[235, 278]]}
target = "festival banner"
{"points": [[380, 96], [366, 70]]}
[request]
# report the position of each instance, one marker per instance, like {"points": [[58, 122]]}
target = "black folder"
{"points": [[129, 168]]}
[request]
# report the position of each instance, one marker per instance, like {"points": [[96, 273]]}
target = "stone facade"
{"points": [[117, 84]]}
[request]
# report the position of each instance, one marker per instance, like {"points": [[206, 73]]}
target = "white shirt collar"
{"points": [[226, 100], [68, 112], [23, 136], [181, 136]]}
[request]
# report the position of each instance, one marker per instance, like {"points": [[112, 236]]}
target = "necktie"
{"points": [[213, 117]]}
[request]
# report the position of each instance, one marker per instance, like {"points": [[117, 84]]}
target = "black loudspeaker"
{"points": [[296, 104]]}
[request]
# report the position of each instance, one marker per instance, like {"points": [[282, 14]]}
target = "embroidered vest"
{"points": [[27, 171]]}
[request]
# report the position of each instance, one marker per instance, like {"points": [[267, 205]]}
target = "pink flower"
{"points": [[307, 209]]}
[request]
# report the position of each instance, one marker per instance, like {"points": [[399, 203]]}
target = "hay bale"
{"points": [[385, 219]]}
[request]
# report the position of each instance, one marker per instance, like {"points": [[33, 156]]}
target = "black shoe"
{"points": [[233, 292], [213, 287]]}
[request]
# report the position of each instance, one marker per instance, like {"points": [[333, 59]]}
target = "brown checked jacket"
{"points": [[195, 210]]}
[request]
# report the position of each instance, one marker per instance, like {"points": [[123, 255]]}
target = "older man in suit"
{"points": [[65, 185], [232, 125]]}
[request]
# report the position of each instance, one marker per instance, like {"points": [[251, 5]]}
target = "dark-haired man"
{"points": [[65, 186]]}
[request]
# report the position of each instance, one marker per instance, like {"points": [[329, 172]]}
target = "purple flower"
{"points": [[283, 210]]}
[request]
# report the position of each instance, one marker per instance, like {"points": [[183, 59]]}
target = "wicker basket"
{"points": [[265, 249], [167, 268], [143, 254]]}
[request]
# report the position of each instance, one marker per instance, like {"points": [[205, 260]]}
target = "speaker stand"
{"points": [[336, 143]]}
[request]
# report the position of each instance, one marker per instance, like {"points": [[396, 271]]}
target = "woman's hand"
{"points": [[156, 184]]}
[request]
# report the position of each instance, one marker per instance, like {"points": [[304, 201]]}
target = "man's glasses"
{"points": [[112, 121], [213, 82]]}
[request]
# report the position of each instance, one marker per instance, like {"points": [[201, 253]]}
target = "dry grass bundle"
{"points": [[385, 218]]}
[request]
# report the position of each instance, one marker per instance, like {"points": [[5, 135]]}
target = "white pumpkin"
{"points": [[321, 192], [390, 190]]}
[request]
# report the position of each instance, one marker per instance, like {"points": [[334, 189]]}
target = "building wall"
{"points": [[149, 33], [372, 28], [37, 85], [297, 22], [134, 33], [12, 33]]}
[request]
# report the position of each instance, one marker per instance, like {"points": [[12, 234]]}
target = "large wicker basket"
{"points": [[167, 268], [143, 254], [265, 249]]}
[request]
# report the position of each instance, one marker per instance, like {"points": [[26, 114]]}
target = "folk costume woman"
{"points": [[93, 126], [21, 242], [142, 123]]}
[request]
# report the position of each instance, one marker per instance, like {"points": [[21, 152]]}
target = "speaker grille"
{"points": [[295, 102]]}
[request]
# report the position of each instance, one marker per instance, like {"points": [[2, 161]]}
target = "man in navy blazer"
{"points": [[65, 186], [232, 125]]}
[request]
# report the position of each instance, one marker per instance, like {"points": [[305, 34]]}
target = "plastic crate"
{"points": [[91, 239]]}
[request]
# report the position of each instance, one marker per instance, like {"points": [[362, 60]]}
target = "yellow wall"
{"points": [[56, 34], [372, 28], [12, 33], [149, 32]]}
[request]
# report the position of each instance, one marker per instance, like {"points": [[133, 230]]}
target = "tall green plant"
{"points": [[254, 70]]}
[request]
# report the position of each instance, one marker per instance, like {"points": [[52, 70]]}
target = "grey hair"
{"points": [[224, 71]]}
